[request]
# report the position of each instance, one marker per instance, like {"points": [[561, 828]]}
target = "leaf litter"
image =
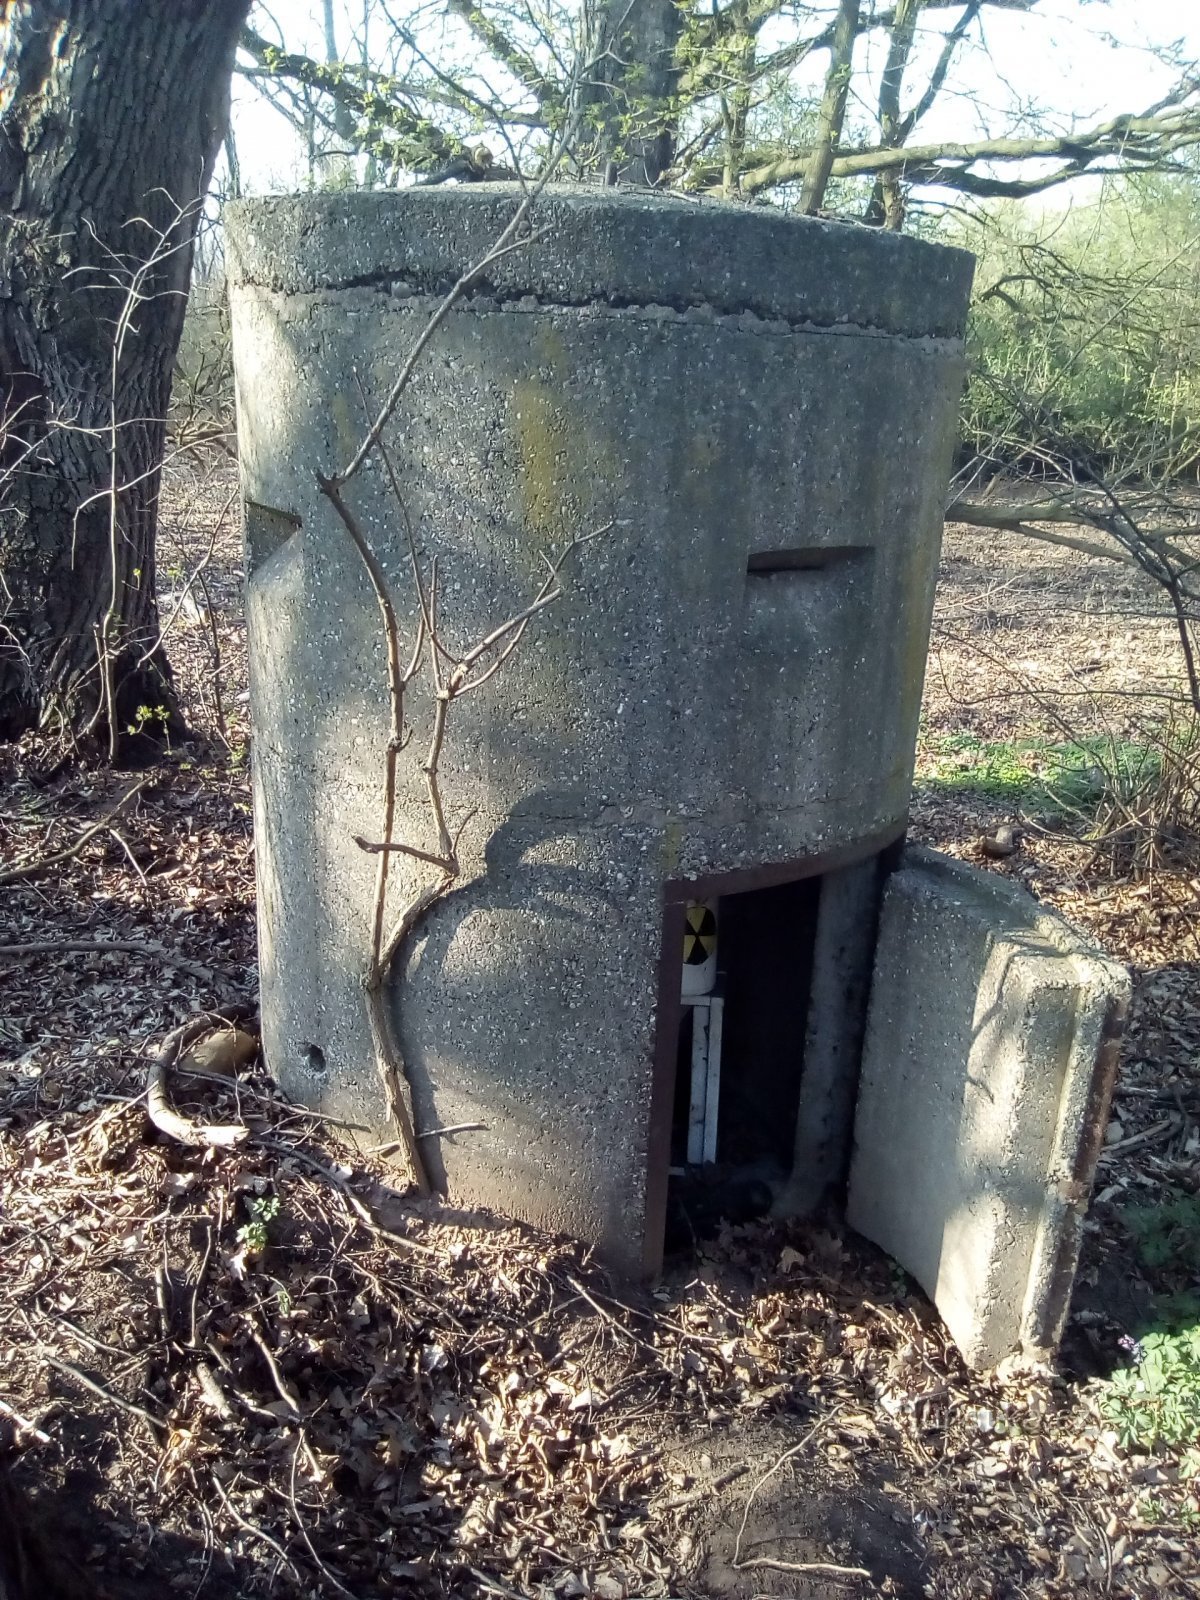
{"points": [[264, 1370]]}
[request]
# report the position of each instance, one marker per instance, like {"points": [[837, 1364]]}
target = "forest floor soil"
{"points": [[263, 1370]]}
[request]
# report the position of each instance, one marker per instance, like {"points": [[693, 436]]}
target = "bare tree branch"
{"points": [[1147, 141], [522, 66], [396, 1089], [31, 869], [374, 97]]}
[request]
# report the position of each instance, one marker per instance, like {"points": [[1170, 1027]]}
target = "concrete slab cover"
{"points": [[988, 1066], [762, 408], [619, 248]]}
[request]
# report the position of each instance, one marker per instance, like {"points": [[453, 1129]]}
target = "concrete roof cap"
{"points": [[607, 246]]}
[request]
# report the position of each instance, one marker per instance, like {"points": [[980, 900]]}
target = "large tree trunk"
{"points": [[627, 100], [111, 115]]}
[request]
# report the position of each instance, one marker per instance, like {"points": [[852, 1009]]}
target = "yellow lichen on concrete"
{"points": [[543, 441]]}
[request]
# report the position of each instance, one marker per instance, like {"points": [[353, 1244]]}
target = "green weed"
{"points": [[254, 1235], [1167, 1235], [146, 719], [1157, 1401], [1034, 774]]}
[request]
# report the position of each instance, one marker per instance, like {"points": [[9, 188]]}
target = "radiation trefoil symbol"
{"points": [[699, 935]]}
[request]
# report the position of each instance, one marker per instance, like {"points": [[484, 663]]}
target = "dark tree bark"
{"points": [[628, 102], [888, 202], [111, 116], [833, 107]]}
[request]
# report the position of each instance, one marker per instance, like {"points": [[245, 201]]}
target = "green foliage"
{"points": [[1135, 800], [145, 719], [1167, 1234], [254, 1235], [1085, 331], [1150, 1509], [961, 763], [1070, 775], [1158, 1400]]}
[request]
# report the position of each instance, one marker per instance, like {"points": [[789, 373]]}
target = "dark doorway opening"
{"points": [[765, 946]]}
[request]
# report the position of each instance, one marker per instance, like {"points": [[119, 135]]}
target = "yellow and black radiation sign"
{"points": [[699, 935]]}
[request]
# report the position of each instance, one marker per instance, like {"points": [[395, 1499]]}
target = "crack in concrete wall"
{"points": [[485, 297]]}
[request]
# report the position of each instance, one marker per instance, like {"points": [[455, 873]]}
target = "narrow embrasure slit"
{"points": [[812, 558]]}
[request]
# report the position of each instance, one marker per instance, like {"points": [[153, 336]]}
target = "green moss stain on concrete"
{"points": [[544, 442], [559, 459]]}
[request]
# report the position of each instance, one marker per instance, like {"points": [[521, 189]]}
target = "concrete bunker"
{"points": [[723, 707]]}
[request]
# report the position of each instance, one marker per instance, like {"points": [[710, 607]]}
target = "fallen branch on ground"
{"points": [[129, 947], [80, 1377], [158, 1104], [1021, 519]]}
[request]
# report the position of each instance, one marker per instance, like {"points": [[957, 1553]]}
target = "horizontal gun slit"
{"points": [[815, 558]]}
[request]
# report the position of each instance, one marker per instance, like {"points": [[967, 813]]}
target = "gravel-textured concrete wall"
{"points": [[763, 408], [988, 1067]]}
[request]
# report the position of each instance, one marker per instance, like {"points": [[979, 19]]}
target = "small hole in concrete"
{"points": [[314, 1060]]}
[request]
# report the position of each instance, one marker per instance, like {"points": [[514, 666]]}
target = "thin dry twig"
{"points": [[830, 1568], [388, 1060], [453, 1127], [255, 1532], [493, 1585], [282, 1387], [98, 1389], [322, 1568], [738, 1561], [448, 686], [512, 238], [607, 1317], [23, 1424], [210, 1236], [336, 1181], [31, 869], [703, 1491], [128, 947]]}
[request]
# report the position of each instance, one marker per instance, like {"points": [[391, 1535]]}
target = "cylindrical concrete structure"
{"points": [[762, 408]]}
